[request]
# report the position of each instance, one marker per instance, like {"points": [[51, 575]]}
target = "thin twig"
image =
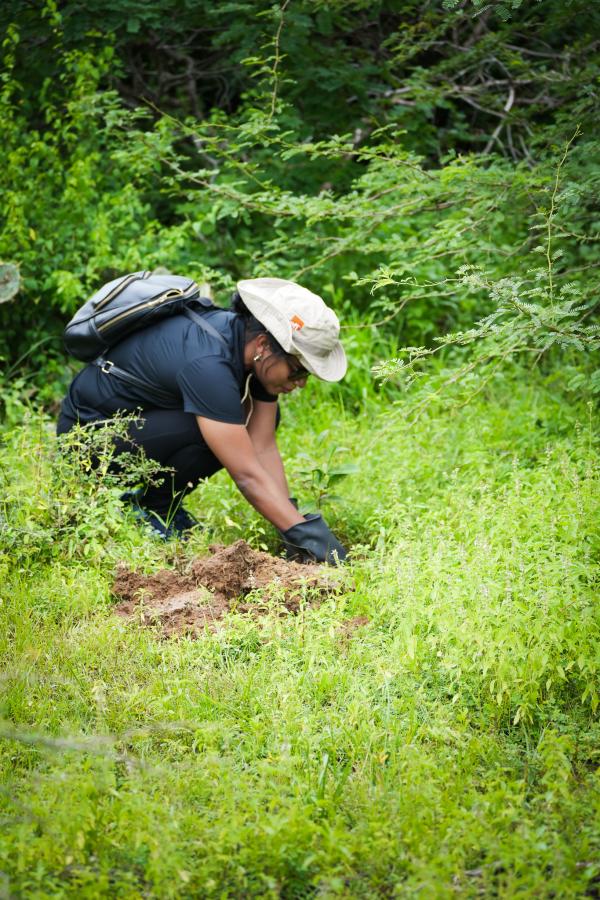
{"points": [[277, 58], [507, 108], [550, 216]]}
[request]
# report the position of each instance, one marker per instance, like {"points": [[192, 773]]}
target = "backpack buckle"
{"points": [[106, 366]]}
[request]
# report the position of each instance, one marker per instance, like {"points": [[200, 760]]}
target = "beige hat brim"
{"points": [[331, 366]]}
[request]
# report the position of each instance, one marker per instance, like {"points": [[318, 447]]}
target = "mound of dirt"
{"points": [[214, 585]]}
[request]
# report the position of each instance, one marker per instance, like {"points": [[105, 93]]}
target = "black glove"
{"points": [[312, 539]]}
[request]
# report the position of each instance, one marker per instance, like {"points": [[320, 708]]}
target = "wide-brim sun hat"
{"points": [[298, 320]]}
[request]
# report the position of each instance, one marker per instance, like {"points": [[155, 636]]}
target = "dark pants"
{"points": [[172, 438]]}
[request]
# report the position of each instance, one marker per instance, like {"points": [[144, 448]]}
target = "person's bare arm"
{"points": [[232, 446], [262, 430]]}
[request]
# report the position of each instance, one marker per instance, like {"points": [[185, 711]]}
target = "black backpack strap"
{"points": [[199, 319], [161, 397], [164, 398]]}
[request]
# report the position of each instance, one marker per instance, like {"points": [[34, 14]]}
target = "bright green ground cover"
{"points": [[447, 748]]}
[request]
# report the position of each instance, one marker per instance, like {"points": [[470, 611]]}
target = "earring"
{"points": [[257, 357]]}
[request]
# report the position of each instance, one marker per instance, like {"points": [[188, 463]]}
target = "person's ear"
{"points": [[263, 345]]}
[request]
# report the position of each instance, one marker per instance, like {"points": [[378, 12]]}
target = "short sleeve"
{"points": [[209, 388]]}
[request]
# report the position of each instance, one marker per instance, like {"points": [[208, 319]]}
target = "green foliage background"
{"points": [[385, 144], [432, 169]]}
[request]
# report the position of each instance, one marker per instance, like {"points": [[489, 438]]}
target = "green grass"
{"points": [[447, 748]]}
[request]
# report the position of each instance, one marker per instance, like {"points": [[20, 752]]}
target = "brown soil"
{"points": [[215, 585]]}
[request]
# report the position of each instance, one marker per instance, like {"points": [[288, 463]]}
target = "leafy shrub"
{"points": [[94, 187], [67, 504]]}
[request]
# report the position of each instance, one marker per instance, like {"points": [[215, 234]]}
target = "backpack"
{"points": [[128, 304]]}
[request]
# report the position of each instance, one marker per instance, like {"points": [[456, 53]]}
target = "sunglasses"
{"points": [[297, 372]]}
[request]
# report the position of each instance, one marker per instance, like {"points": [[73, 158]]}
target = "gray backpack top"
{"points": [[127, 304], [124, 305]]}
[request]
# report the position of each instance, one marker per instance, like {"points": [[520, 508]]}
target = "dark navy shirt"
{"points": [[205, 376]]}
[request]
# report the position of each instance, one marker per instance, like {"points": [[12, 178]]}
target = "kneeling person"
{"points": [[225, 383]]}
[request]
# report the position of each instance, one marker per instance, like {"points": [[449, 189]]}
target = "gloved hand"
{"points": [[312, 540]]}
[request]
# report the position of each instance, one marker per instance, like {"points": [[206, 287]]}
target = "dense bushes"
{"points": [[422, 169]]}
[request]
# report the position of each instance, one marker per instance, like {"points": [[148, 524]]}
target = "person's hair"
{"points": [[253, 326]]}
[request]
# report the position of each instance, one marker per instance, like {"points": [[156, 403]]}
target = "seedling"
{"points": [[320, 477]]}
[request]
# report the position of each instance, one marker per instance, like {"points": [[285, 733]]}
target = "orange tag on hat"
{"points": [[297, 323]]}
